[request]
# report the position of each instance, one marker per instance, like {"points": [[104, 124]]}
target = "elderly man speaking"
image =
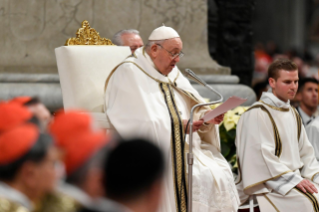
{"points": [[147, 96]]}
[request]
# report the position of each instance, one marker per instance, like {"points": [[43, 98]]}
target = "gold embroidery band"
{"points": [[112, 72], [177, 147], [299, 122], [250, 186], [271, 203], [275, 108], [312, 199], [314, 176], [278, 142], [239, 172]]}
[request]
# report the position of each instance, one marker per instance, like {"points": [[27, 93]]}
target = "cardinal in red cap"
{"points": [[12, 115], [27, 171], [83, 149]]}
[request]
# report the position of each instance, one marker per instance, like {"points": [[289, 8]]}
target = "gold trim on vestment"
{"points": [[278, 149], [109, 77], [176, 78], [312, 199], [274, 107], [250, 186], [314, 176], [11, 206], [177, 148], [271, 203], [299, 122], [239, 171], [112, 72]]}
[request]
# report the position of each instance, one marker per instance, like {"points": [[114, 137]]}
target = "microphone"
{"points": [[192, 76], [190, 158]]}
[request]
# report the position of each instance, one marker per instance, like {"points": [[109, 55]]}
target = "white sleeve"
{"points": [[312, 131], [284, 183]]}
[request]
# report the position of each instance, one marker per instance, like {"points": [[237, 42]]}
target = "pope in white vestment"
{"points": [[274, 155], [140, 101]]}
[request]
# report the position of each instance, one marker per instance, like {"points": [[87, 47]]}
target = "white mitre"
{"points": [[163, 33]]}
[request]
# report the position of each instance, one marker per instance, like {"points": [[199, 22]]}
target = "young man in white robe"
{"points": [[147, 96], [276, 161]]}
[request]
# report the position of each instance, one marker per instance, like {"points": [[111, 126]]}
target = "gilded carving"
{"points": [[87, 36]]}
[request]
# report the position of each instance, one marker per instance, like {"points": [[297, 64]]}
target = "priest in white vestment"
{"points": [[147, 96], [275, 158]]}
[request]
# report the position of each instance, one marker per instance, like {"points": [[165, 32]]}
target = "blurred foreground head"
{"points": [[27, 161], [133, 175], [83, 150]]}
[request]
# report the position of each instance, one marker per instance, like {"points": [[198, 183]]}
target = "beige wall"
{"points": [[32, 29]]}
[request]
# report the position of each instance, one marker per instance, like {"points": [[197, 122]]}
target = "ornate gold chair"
{"points": [[84, 63]]}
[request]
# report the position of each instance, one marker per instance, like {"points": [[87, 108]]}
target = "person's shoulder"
{"points": [[254, 109], [314, 124], [10, 206], [58, 202]]}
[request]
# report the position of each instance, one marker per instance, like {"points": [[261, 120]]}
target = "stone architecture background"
{"points": [[32, 29]]}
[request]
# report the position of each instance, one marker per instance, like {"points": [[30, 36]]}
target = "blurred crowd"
{"points": [[64, 162], [266, 53]]}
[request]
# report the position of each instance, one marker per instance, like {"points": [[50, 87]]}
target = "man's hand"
{"points": [[196, 125], [305, 185], [217, 120]]}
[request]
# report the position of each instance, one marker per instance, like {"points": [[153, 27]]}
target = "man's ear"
{"points": [[272, 82], [154, 51]]}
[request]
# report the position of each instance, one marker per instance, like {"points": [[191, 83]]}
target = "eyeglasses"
{"points": [[180, 54]]}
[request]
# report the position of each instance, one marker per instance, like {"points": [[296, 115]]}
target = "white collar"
{"points": [[269, 98], [149, 59], [304, 116], [14, 195]]}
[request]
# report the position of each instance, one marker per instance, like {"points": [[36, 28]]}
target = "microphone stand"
{"points": [[190, 158]]}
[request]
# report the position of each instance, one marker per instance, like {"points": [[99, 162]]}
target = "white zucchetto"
{"points": [[163, 33]]}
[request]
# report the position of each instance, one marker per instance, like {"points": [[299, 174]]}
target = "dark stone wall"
{"points": [[230, 35]]}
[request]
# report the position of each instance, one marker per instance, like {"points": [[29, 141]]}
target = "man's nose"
{"points": [[294, 86], [177, 58]]}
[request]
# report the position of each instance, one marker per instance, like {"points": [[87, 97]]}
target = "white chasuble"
{"points": [[141, 102], [274, 155]]}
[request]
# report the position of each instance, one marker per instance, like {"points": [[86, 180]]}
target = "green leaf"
{"points": [[225, 149], [232, 134]]}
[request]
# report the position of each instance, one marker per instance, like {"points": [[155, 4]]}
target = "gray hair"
{"points": [[150, 43], [117, 38]]}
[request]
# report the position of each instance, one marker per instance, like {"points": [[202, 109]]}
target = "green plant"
{"points": [[227, 132]]}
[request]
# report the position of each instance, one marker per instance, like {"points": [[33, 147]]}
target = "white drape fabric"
{"points": [[83, 71]]}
